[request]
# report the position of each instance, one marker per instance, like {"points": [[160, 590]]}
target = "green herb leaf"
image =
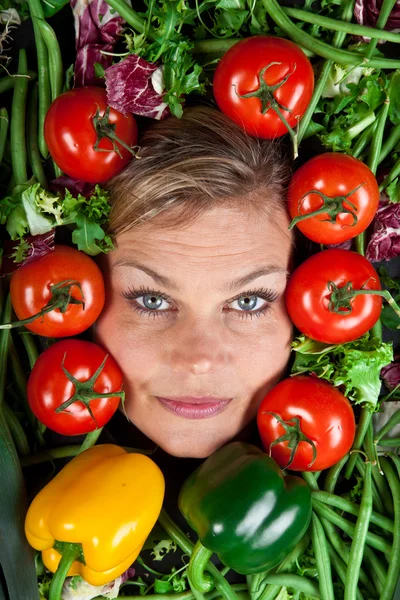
{"points": [[90, 237], [162, 586], [163, 548], [393, 190], [354, 366]]}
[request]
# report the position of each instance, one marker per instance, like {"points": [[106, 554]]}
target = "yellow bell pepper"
{"points": [[107, 501]]}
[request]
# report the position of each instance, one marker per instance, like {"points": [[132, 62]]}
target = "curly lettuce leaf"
{"points": [[34, 211], [354, 366]]}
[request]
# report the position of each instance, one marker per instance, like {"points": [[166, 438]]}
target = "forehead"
{"points": [[218, 232]]}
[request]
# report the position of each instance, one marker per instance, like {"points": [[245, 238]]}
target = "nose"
{"points": [[198, 349]]}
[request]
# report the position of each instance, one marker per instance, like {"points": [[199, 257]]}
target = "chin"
{"points": [[188, 448]]}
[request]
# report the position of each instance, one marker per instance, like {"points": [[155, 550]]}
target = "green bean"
{"points": [[373, 540], [390, 142], [344, 551], [336, 25], [271, 591], [181, 540], [389, 442], [391, 176], [3, 131], [20, 383], [380, 481], [7, 83], [55, 58], [310, 480], [364, 139], [90, 439], [32, 134], [337, 42], [352, 508], [377, 500], [296, 582], [340, 568], [394, 561], [362, 427], [333, 474], [17, 432], [359, 538], [17, 129], [239, 588], [384, 13], [36, 10], [322, 559], [392, 422], [377, 567], [28, 339], [344, 57], [376, 145]]}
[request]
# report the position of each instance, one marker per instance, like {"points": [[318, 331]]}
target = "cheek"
{"points": [[135, 348]]}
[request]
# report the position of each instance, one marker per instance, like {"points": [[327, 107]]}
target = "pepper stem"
{"points": [[70, 552], [61, 298], [84, 390], [266, 94], [293, 435], [202, 582], [340, 300], [105, 129], [332, 206]]}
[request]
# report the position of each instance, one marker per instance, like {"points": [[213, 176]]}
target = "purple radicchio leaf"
{"points": [[36, 246], [96, 28], [385, 240], [134, 85], [75, 186], [367, 12], [391, 373]]}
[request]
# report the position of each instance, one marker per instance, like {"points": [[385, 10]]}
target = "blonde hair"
{"points": [[195, 163]]}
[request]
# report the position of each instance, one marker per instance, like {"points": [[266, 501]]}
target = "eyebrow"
{"points": [[172, 285]]}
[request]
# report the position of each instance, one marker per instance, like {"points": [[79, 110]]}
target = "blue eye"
{"points": [[249, 303], [151, 303]]}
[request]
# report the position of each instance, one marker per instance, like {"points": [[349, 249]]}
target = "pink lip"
{"points": [[194, 407]]}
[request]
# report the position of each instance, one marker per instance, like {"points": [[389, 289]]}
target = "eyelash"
{"points": [[268, 295]]}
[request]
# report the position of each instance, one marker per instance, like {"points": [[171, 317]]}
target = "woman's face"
{"points": [[195, 317]]}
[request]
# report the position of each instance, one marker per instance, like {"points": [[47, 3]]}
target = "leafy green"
{"points": [[393, 190], [346, 114], [34, 211], [162, 548], [388, 317], [353, 366]]}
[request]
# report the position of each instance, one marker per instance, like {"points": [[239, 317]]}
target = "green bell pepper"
{"points": [[245, 510]]}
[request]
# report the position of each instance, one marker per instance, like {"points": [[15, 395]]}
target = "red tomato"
{"points": [[238, 72], [49, 387], [30, 290], [325, 417], [334, 175], [308, 296], [70, 135]]}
